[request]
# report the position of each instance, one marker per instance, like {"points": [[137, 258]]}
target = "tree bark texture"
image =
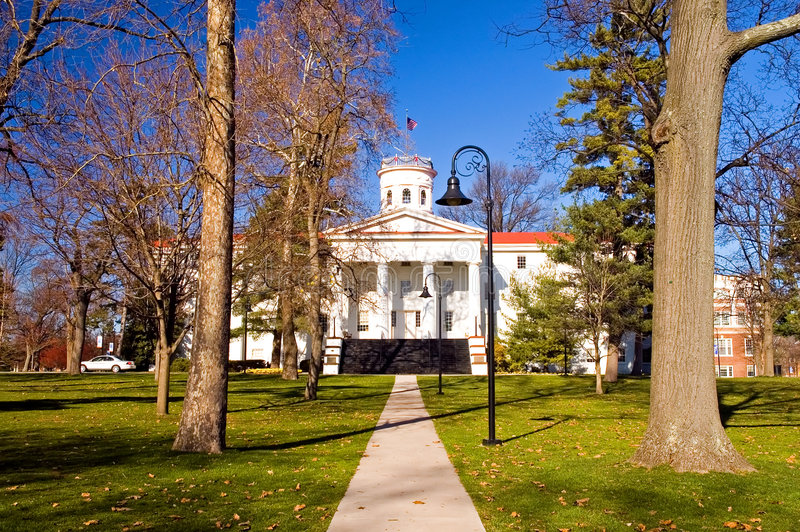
{"points": [[203, 420], [612, 364], [289, 341], [275, 361], [767, 348], [598, 377], [77, 330], [684, 428], [315, 308]]}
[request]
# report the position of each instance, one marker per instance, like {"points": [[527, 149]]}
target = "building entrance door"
{"points": [[410, 324]]}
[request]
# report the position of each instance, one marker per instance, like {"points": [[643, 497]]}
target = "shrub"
{"points": [[179, 364], [242, 365]]}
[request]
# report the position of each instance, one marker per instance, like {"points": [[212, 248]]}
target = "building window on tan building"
{"points": [[751, 370], [417, 318], [423, 198], [722, 318], [448, 320], [363, 321], [521, 262], [406, 195], [748, 347], [394, 318], [724, 371], [389, 198], [723, 347]]}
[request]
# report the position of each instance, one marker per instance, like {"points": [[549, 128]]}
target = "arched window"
{"points": [[422, 197], [389, 198], [406, 195]]}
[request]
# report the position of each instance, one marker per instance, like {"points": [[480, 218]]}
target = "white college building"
{"points": [[377, 314]]}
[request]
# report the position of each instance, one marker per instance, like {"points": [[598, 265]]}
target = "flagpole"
{"points": [[407, 132]]}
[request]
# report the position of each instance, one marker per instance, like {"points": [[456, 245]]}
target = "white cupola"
{"points": [[406, 182]]}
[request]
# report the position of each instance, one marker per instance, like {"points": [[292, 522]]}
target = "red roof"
{"points": [[539, 237]]}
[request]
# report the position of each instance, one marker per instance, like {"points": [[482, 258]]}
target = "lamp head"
{"points": [[453, 197], [425, 292]]}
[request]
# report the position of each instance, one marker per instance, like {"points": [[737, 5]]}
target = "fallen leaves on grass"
{"points": [[120, 509], [418, 502], [299, 507], [91, 522], [581, 502]]}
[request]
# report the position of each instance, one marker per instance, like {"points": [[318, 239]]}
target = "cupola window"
{"points": [[406, 195], [422, 198], [389, 198]]}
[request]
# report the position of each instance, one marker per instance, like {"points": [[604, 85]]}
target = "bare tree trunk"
{"points": [[598, 378], [612, 363], [203, 419], [28, 364], [315, 305], [123, 320], [275, 362], [767, 350], [289, 341], [77, 330], [684, 428], [162, 369]]}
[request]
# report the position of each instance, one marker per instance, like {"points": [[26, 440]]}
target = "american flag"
{"points": [[410, 124]]}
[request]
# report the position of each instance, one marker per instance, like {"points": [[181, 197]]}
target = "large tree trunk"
{"points": [[612, 363], [77, 330], [203, 420], [315, 307], [684, 428]]}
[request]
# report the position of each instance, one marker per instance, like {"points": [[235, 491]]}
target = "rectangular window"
{"points": [[723, 347], [521, 262], [405, 288], [394, 319], [741, 318], [323, 323], [448, 320], [405, 263], [621, 355], [724, 371], [722, 318], [417, 318], [751, 370], [748, 347], [363, 321]]}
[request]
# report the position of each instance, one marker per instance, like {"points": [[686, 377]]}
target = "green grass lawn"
{"points": [[87, 452], [564, 461]]}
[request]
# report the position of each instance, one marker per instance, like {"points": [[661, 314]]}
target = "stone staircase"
{"points": [[404, 357]]}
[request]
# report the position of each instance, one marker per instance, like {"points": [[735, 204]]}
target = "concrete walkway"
{"points": [[405, 481]]}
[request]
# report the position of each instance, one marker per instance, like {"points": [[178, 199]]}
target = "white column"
{"points": [[339, 305], [474, 287], [429, 304], [382, 318]]}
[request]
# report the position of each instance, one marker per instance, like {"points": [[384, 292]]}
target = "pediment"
{"points": [[406, 222]]}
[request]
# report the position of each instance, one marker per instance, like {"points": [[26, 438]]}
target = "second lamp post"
{"points": [[476, 163], [425, 293]]}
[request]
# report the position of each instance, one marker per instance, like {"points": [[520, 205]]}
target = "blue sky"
{"points": [[464, 84]]}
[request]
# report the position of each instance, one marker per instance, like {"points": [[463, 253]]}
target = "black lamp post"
{"points": [[478, 162], [425, 294]]}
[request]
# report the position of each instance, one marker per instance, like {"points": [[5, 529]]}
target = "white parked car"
{"points": [[106, 363]]}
